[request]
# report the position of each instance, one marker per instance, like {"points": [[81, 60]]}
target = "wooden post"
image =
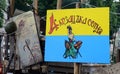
{"points": [[77, 4], [12, 3], [77, 67], [35, 5], [37, 18], [59, 4]]}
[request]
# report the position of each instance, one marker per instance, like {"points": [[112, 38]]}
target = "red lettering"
{"points": [[53, 25]]}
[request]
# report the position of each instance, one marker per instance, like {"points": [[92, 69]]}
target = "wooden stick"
{"points": [[59, 4], [12, 4], [77, 4], [35, 5], [77, 67]]}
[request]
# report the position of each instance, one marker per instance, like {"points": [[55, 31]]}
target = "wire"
{"points": [[62, 7], [69, 4], [96, 6], [87, 4], [90, 5]]}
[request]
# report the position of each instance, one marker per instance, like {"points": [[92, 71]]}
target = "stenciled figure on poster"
{"points": [[72, 46]]}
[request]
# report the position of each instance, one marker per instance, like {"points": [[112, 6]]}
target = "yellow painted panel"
{"points": [[84, 21]]}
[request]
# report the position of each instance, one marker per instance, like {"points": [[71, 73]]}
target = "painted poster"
{"points": [[27, 42], [78, 35]]}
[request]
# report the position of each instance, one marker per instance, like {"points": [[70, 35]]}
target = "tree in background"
{"points": [[23, 4], [44, 5], [69, 3], [2, 8], [113, 21]]}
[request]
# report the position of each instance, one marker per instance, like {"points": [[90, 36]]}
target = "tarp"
{"points": [[27, 42]]}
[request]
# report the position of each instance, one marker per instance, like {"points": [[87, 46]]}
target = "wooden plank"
{"points": [[61, 64], [60, 70]]}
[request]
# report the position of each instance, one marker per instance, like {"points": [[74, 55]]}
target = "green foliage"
{"points": [[97, 3], [108, 3], [44, 5], [23, 4], [101, 3], [2, 4], [1, 21], [1, 18], [113, 20], [2, 7], [69, 3]]}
